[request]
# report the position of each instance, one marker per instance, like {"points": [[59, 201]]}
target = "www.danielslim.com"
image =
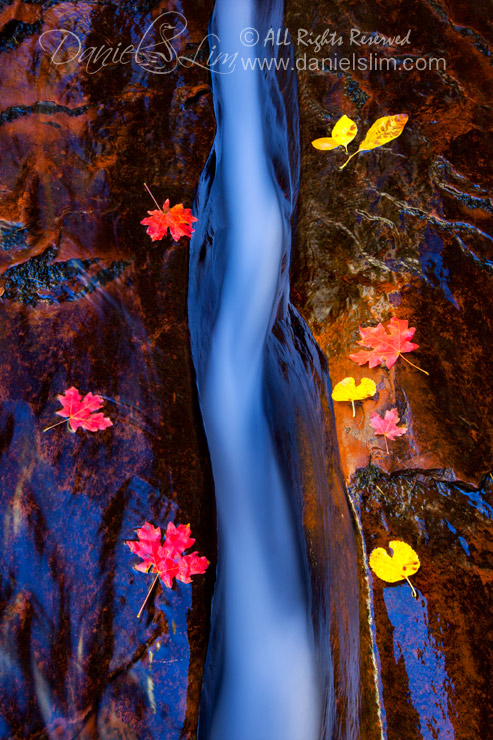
{"points": [[352, 62]]}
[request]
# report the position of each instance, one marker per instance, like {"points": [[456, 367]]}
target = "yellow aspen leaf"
{"points": [[403, 562], [347, 390], [342, 134], [384, 129], [325, 143], [344, 131]]}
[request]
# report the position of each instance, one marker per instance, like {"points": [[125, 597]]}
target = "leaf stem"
{"points": [[72, 416], [147, 597], [413, 365], [386, 445], [348, 160], [354, 410], [412, 588], [153, 198], [55, 425]]}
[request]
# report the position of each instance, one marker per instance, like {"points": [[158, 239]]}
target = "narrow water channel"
{"points": [[262, 680]]}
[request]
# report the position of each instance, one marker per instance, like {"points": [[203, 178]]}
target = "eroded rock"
{"points": [[88, 300]]}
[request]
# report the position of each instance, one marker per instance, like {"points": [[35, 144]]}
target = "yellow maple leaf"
{"points": [[404, 562], [347, 390], [342, 134], [384, 129]]}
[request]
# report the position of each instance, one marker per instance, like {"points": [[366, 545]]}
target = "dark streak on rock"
{"points": [[47, 107], [40, 279]]}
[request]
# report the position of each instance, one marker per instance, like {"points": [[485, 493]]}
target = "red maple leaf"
{"points": [[178, 537], [177, 219], [386, 346], [387, 425], [79, 412], [166, 559]]}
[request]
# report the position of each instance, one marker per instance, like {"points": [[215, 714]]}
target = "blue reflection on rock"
{"points": [[429, 684]]}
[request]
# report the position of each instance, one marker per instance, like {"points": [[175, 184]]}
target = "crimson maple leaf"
{"points": [[387, 425], [79, 411], [178, 219], [386, 346], [166, 559]]}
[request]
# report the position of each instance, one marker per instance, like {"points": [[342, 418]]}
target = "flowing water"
{"points": [[86, 299], [266, 683]]}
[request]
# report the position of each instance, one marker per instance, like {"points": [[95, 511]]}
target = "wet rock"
{"points": [[406, 231], [302, 421], [87, 300], [433, 651]]}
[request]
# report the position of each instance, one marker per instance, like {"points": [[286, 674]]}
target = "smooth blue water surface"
{"points": [[267, 683]]}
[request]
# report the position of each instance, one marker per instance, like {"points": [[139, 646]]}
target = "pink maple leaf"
{"points": [[80, 411], [387, 425]]}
